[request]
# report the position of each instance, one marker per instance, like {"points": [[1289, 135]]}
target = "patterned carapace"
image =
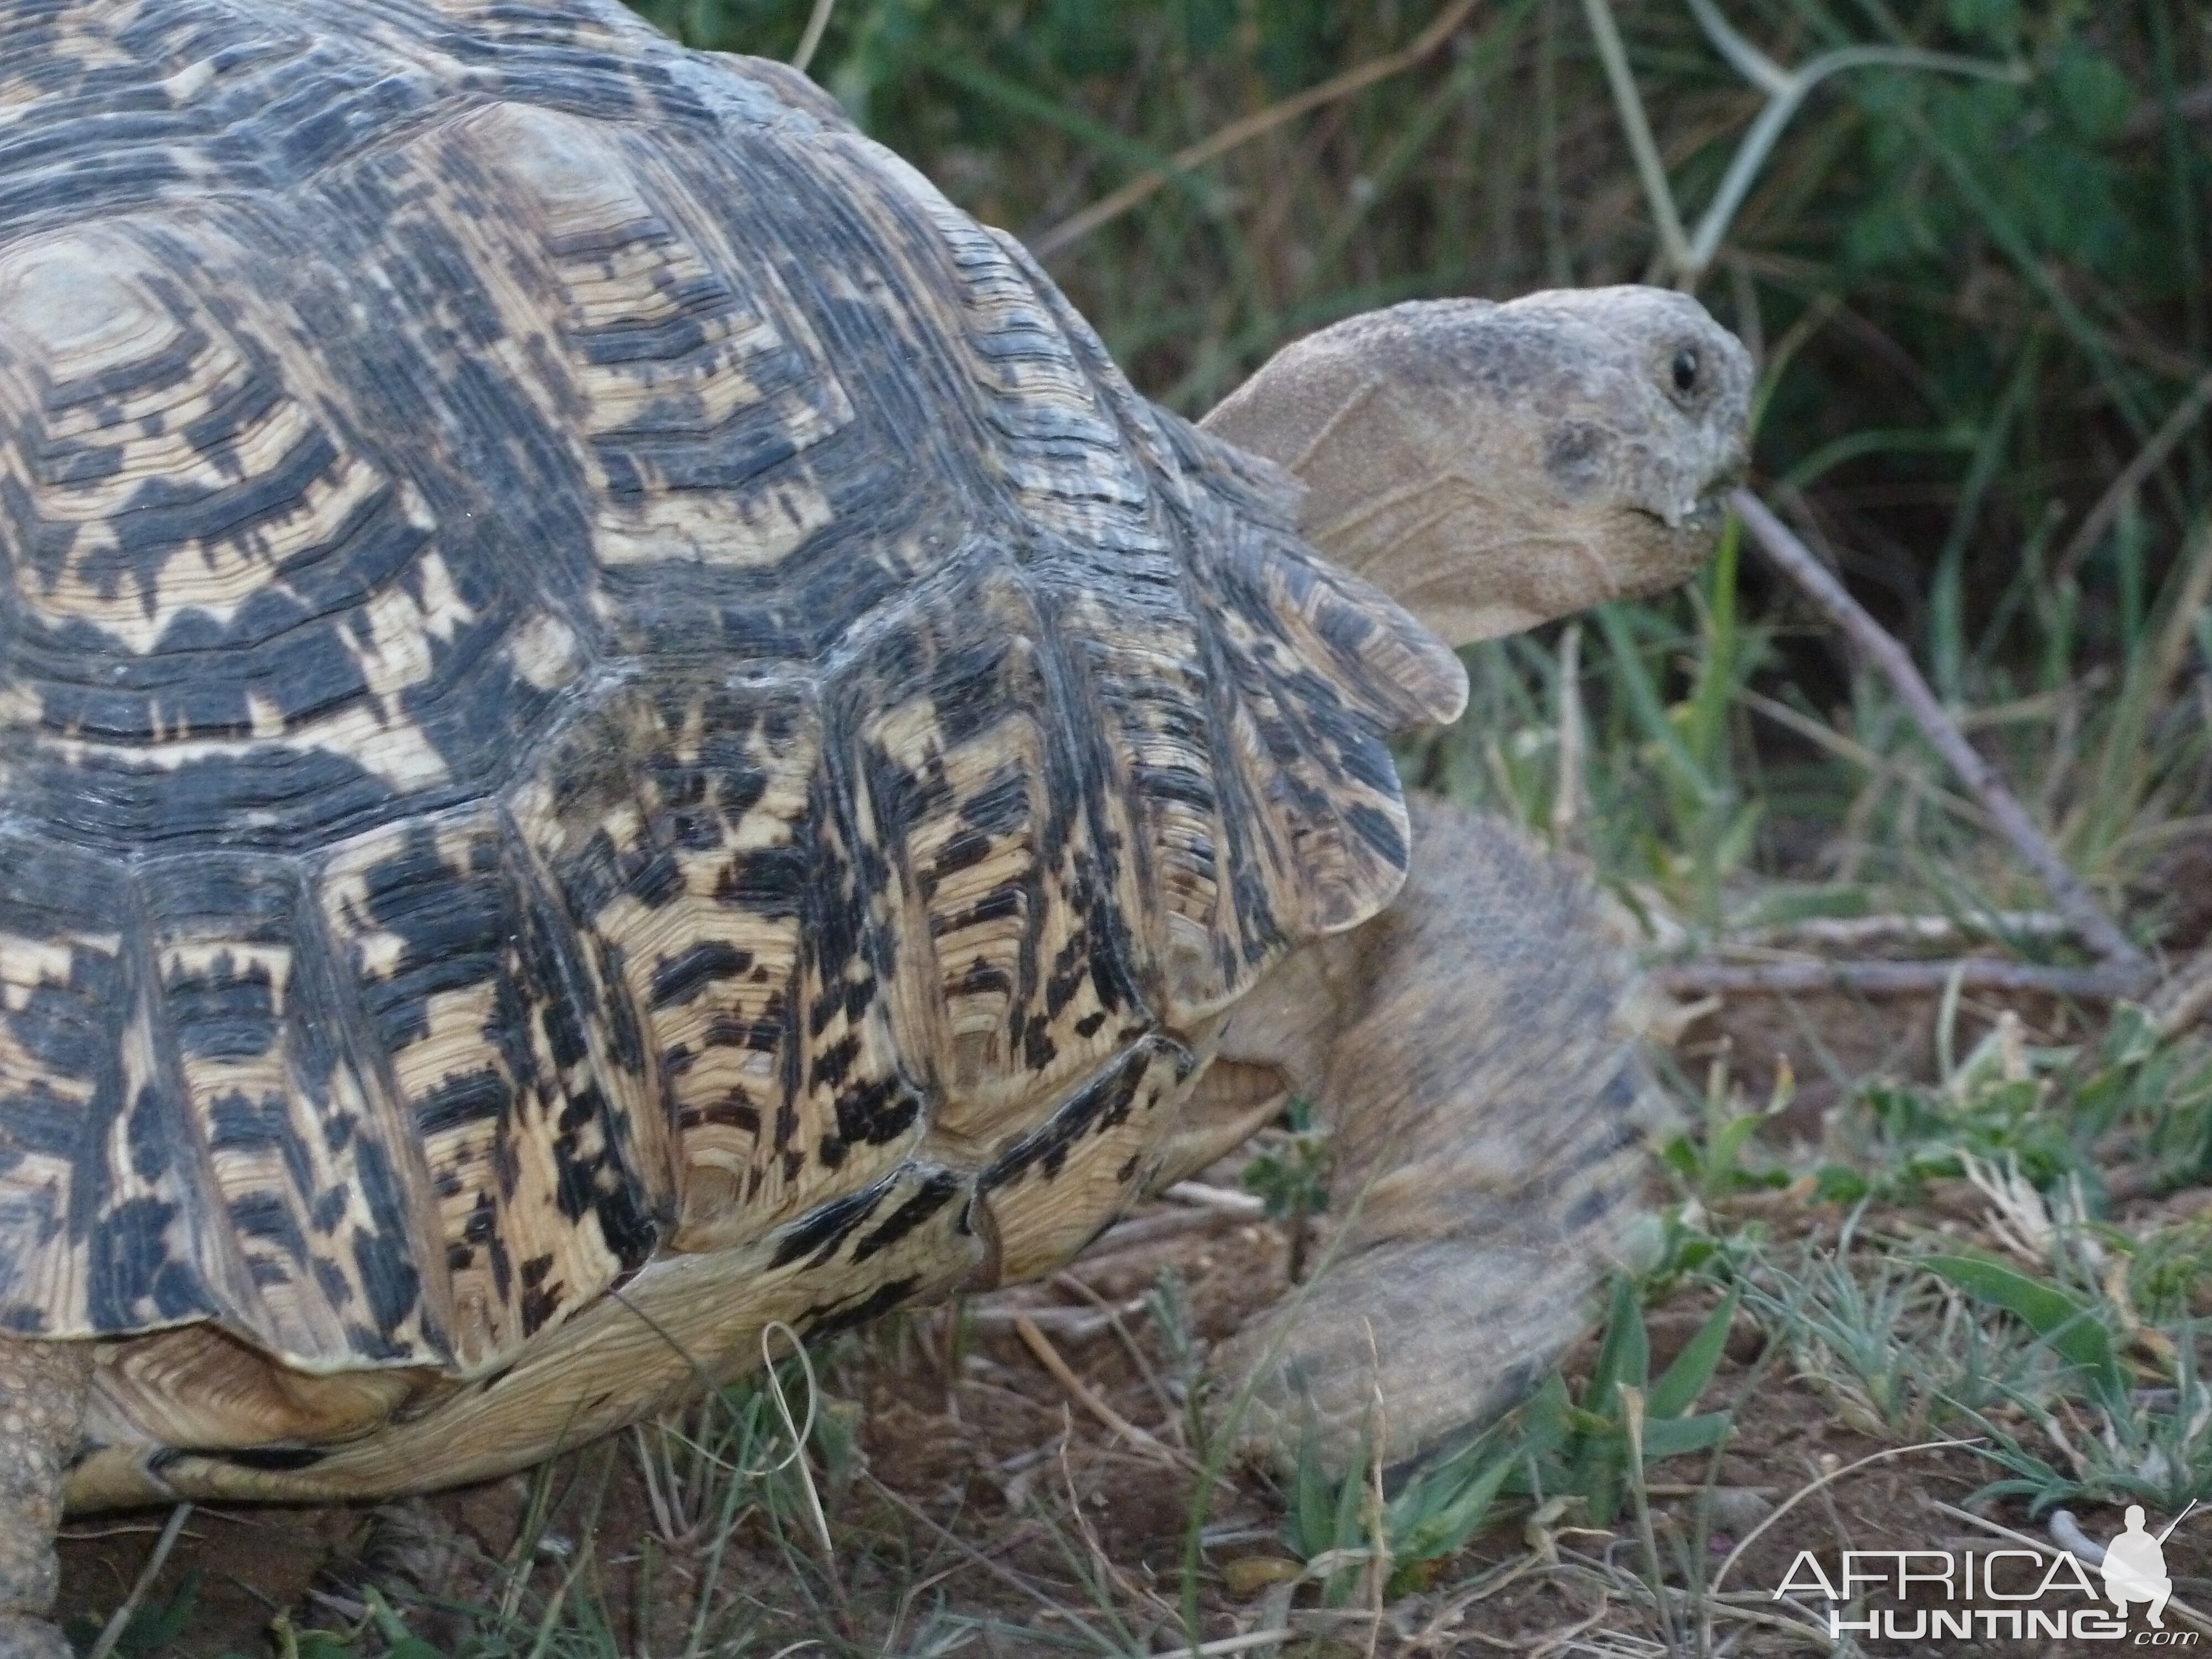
{"points": [[589, 671]]}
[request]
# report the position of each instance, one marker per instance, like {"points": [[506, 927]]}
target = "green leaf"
{"points": [[155, 1624], [1838, 1183], [2066, 1323], [1312, 1521], [1727, 1143], [1625, 1354], [1674, 1437], [1442, 1530], [1544, 1418], [1685, 1380], [1351, 1498]]}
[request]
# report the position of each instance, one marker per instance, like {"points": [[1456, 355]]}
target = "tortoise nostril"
{"points": [[1686, 371]]}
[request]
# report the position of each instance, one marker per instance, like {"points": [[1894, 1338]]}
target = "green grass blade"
{"points": [[2067, 1324]]}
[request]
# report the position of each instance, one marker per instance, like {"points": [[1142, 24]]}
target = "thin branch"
{"points": [[2066, 890], [1878, 979], [1860, 930], [1111, 207], [2121, 491]]}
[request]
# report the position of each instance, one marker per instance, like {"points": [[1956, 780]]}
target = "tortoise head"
{"points": [[1493, 467]]}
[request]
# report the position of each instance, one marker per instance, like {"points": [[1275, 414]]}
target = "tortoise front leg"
{"points": [[1469, 1051], [42, 1393]]}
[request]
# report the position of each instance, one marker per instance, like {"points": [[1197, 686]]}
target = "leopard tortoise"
{"points": [[615, 725]]}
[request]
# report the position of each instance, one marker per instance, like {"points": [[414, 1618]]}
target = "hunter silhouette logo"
{"points": [[2015, 1594], [2134, 1565]]}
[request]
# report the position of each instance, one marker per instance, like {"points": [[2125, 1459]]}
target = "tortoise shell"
{"points": [[589, 671]]}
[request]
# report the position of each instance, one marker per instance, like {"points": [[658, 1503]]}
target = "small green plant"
{"points": [[1291, 1174], [1899, 1349], [1724, 1157], [1332, 1523], [382, 1631], [2060, 1116], [2067, 1321], [1582, 1449], [152, 1625]]}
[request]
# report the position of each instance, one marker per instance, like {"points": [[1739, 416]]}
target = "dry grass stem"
{"points": [[119, 1620], [1795, 560], [1112, 206], [2148, 460], [1082, 1393]]}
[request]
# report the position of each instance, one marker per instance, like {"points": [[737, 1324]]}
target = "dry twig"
{"points": [[1852, 931], [2185, 995], [119, 1620], [2074, 899], [1894, 978]]}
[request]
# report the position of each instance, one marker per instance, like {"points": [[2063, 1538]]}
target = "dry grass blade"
{"points": [[1081, 1392], [798, 1438], [119, 1620], [1111, 207], [2185, 995], [2122, 489], [2066, 890], [1650, 169], [818, 20], [1807, 1490]]}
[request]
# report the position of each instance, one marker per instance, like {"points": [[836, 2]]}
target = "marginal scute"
{"points": [[463, 969], [1010, 978], [1054, 1189]]}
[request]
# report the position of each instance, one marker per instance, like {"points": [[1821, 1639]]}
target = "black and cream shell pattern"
{"points": [[591, 676]]}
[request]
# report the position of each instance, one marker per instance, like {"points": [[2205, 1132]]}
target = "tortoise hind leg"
{"points": [[42, 1392], [1468, 1050]]}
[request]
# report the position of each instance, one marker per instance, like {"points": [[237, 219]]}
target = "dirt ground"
{"points": [[984, 1490]]}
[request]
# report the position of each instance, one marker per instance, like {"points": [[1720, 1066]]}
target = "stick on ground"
{"points": [[1894, 978]]}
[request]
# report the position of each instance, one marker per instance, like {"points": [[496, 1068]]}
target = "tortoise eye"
{"points": [[1686, 371]]}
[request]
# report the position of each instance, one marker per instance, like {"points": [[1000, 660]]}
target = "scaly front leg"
{"points": [[42, 1392], [1470, 1053]]}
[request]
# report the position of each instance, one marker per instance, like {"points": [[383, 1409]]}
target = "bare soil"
{"points": [[983, 1490]]}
